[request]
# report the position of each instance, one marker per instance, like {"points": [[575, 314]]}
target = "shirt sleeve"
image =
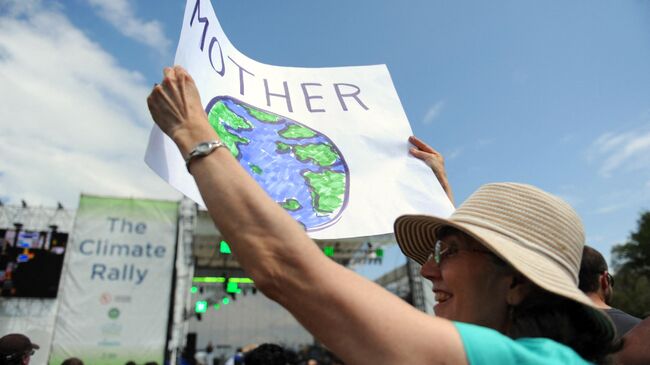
{"points": [[485, 346]]}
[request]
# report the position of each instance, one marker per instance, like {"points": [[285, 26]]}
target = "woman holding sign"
{"points": [[504, 265]]}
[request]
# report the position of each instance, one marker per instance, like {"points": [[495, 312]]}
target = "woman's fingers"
{"points": [[419, 154], [420, 144], [167, 71]]}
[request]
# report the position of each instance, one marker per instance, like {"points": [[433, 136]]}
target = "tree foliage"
{"points": [[631, 260]]}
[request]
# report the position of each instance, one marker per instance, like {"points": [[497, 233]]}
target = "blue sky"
{"points": [[554, 93]]}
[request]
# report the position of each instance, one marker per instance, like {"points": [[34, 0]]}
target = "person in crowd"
{"points": [[267, 354], [130, 363], [209, 354], [72, 361], [237, 358], [200, 358], [598, 284], [16, 349], [504, 265], [636, 348]]}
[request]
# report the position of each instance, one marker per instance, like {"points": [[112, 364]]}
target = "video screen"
{"points": [[31, 263]]}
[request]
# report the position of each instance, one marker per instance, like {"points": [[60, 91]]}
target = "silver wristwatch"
{"points": [[201, 150]]}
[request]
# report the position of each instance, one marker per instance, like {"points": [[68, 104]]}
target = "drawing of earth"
{"points": [[299, 167]]}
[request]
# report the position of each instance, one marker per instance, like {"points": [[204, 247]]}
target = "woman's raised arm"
{"points": [[357, 319]]}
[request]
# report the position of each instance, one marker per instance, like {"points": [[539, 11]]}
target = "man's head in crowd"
{"points": [[595, 280], [16, 349], [72, 361], [266, 354]]}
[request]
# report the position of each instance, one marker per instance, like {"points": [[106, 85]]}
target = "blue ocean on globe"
{"points": [[299, 167]]}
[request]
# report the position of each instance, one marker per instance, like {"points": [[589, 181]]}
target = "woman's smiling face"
{"points": [[468, 284]]}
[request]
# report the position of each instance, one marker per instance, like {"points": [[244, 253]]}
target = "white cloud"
{"points": [[72, 119], [121, 15], [567, 138], [484, 142], [453, 154], [627, 151], [433, 112], [610, 208], [520, 76]]}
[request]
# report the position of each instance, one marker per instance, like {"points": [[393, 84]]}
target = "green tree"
{"points": [[631, 260]]}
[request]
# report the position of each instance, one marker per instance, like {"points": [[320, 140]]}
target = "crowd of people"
{"points": [[512, 279], [18, 349]]}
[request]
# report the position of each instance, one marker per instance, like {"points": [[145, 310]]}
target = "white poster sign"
{"points": [[327, 144], [116, 283]]}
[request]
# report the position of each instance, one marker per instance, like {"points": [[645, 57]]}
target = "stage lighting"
{"points": [[379, 252], [224, 248], [232, 287], [201, 306]]}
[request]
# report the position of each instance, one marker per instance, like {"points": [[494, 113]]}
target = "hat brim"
{"points": [[416, 236]]}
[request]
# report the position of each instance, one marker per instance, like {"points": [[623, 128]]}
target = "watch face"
{"points": [[203, 148]]}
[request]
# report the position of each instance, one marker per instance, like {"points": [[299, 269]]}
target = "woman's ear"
{"points": [[519, 289]]}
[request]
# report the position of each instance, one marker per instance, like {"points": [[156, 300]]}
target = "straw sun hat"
{"points": [[537, 233]]}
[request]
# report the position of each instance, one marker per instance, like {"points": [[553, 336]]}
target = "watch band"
{"points": [[201, 150]]}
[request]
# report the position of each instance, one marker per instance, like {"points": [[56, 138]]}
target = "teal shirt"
{"points": [[487, 346]]}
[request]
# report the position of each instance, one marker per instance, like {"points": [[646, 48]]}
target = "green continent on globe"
{"points": [[262, 116], [295, 131], [219, 117], [320, 153], [256, 169], [327, 189], [291, 204], [282, 147]]}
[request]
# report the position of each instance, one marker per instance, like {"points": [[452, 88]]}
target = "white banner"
{"points": [[115, 290], [328, 144]]}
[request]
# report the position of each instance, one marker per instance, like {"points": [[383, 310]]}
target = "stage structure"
{"points": [[28, 234], [406, 282], [228, 310], [209, 295]]}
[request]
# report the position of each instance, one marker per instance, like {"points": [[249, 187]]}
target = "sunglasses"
{"points": [[443, 250], [610, 278]]}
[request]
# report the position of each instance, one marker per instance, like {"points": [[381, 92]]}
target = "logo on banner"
{"points": [[113, 313], [105, 298], [299, 167]]}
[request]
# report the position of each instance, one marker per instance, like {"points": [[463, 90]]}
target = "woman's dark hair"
{"points": [[584, 329]]}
